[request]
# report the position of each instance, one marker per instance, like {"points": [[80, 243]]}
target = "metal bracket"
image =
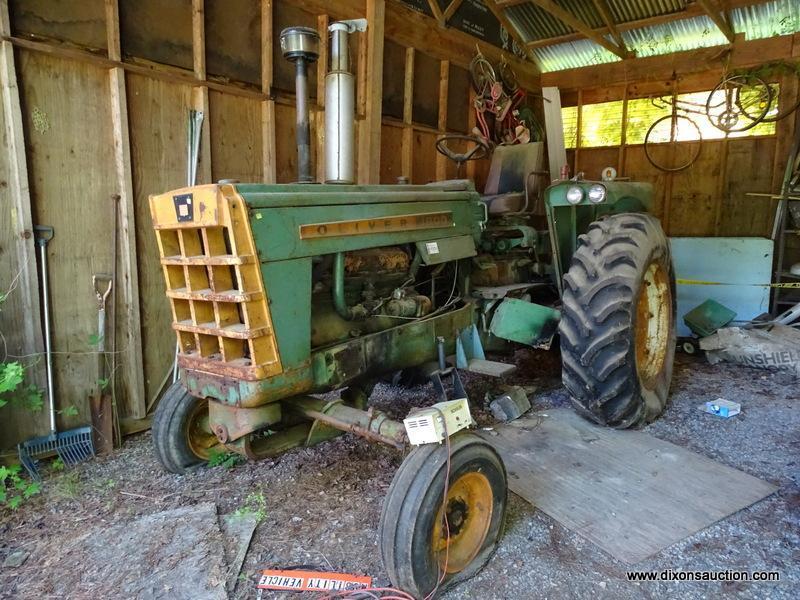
{"points": [[352, 25]]}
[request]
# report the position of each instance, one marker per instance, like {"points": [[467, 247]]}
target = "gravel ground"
{"points": [[321, 506]]}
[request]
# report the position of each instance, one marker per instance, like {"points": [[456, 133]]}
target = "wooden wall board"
{"points": [[426, 90], [458, 105], [235, 138], [81, 22], [748, 169], [424, 157], [394, 65], [592, 161], [694, 194], [66, 142], [391, 149], [233, 39], [157, 31], [638, 168], [285, 144], [18, 423], [158, 113]]}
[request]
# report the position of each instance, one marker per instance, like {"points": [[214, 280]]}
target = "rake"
{"points": [[72, 446]]}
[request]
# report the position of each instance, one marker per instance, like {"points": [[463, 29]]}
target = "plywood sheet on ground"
{"points": [[628, 492], [178, 553]]}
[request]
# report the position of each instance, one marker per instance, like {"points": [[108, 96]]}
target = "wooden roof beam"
{"points": [[437, 12], [605, 14], [500, 14], [451, 10], [691, 11], [719, 17], [578, 25]]}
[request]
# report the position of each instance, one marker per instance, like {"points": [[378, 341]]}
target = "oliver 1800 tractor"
{"points": [[283, 292]]}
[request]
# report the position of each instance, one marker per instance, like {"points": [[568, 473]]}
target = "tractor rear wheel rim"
{"points": [[199, 436], [469, 506], [653, 324]]}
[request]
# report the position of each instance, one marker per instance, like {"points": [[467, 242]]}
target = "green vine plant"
{"points": [[14, 489]]}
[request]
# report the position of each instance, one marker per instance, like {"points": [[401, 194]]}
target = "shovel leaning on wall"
{"points": [[100, 400]]}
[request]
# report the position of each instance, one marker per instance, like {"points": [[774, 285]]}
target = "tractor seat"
{"points": [[505, 186], [499, 204]]}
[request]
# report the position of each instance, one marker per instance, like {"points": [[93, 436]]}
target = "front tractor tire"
{"points": [[417, 552], [617, 325], [181, 435]]}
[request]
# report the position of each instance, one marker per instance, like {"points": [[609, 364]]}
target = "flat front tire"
{"points": [[415, 546]]}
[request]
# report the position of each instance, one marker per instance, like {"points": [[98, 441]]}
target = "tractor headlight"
{"points": [[574, 195], [597, 193]]}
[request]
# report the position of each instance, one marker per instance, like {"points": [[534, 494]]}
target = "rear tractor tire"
{"points": [[417, 551], [181, 434], [617, 325]]}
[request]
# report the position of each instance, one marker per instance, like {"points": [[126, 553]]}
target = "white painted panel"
{"points": [[741, 262]]}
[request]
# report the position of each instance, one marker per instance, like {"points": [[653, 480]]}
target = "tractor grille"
{"points": [[213, 279]]}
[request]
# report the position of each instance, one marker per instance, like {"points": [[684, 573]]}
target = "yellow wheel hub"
{"points": [[469, 506], [653, 324], [199, 436]]}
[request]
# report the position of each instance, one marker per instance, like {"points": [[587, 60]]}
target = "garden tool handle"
{"points": [[102, 296], [45, 233]]}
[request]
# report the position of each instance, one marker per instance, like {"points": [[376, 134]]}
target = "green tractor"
{"points": [[282, 292]]}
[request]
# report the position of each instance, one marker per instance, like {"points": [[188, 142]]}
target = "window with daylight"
{"points": [[601, 124]]}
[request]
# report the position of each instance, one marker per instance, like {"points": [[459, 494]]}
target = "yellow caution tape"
{"points": [[790, 285]]}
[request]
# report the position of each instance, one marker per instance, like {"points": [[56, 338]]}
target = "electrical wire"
{"points": [[395, 594], [443, 571]]}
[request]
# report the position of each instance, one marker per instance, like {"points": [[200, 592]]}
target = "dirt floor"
{"points": [[321, 506]]}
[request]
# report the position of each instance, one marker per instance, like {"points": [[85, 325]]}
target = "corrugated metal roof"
{"points": [[624, 11], [780, 17], [775, 18], [675, 36]]}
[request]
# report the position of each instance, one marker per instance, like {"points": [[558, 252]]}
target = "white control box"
{"points": [[425, 425]]}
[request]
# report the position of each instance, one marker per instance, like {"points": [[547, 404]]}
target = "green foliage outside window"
{"points": [[601, 124]]}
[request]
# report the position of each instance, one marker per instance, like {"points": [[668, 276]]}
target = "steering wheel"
{"points": [[478, 151]]}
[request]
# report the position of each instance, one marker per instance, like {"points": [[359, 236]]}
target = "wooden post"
{"points": [[128, 283], [578, 128], [268, 105], [407, 149], [719, 201], [784, 137], [444, 78], [369, 156], [623, 136], [471, 124], [319, 116], [200, 93], [20, 209]]}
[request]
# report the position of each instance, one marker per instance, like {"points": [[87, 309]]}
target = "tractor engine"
{"points": [[511, 253], [371, 291]]}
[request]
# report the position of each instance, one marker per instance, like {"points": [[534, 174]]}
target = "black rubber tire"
{"points": [[598, 321], [413, 501], [169, 430]]}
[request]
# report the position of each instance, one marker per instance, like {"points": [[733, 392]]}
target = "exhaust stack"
{"points": [[340, 105], [300, 45]]}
